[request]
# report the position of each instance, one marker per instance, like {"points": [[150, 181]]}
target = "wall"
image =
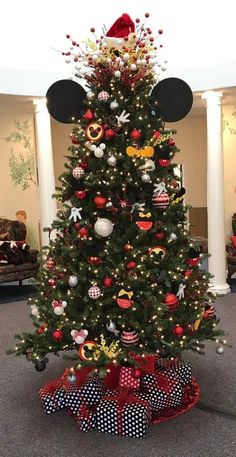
{"points": [[60, 143], [18, 188], [229, 136]]}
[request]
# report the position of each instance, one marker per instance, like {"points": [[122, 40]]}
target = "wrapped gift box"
{"points": [[53, 397], [163, 391], [86, 418], [124, 414], [126, 378], [181, 371], [89, 393]]}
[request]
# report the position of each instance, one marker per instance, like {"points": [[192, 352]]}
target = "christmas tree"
{"points": [[121, 279]]}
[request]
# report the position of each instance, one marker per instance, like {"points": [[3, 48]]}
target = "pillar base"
{"points": [[221, 289]]}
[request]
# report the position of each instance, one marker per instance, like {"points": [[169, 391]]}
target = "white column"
{"points": [[46, 179], [215, 193]]}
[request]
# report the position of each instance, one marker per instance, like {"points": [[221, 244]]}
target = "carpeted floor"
{"points": [[26, 431]]}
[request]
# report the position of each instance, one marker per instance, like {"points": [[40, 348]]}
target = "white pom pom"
{"points": [[117, 74], [133, 67]]}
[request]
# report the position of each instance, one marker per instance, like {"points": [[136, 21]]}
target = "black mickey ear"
{"points": [[64, 100], [174, 98]]}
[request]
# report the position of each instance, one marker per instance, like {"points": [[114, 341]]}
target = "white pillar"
{"points": [[46, 178], [215, 193]]}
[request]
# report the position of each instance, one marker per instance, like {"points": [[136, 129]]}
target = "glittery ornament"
{"points": [[78, 172], [129, 338], [103, 96], [103, 227], [94, 292]]}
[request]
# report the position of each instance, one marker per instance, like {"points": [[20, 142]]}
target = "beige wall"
{"points": [[191, 139], [60, 143], [13, 197], [229, 124]]}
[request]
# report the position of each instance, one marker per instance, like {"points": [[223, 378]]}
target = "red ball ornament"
{"points": [[128, 247], [84, 164], [193, 261], [187, 273], [57, 335], [159, 236], [135, 134], [137, 373], [107, 282], [137, 20], [41, 329], [156, 135], [171, 142], [92, 29], [52, 282], [109, 134], [50, 264], [83, 232], [74, 139], [178, 331], [80, 194], [147, 14], [88, 115], [131, 265], [61, 274], [171, 300], [100, 201], [77, 225], [160, 31]]}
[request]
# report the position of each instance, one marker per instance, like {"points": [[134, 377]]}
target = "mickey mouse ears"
{"points": [[64, 100], [174, 99]]}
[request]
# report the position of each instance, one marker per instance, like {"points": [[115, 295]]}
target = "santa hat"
{"points": [[122, 27]]}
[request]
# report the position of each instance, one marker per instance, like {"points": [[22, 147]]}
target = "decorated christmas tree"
{"points": [[120, 283]]}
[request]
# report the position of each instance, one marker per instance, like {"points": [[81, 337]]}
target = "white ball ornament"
{"points": [[173, 236], [117, 74], [126, 57], [133, 67], [139, 62], [114, 105], [73, 281], [90, 95], [103, 227], [94, 292], [121, 63], [78, 172], [145, 178], [109, 60], [111, 161]]}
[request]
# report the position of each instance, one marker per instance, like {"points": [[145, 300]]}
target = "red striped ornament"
{"points": [[161, 201]]}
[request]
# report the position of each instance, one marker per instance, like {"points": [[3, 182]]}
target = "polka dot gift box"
{"points": [[127, 379], [124, 414], [181, 371], [53, 397], [164, 392], [86, 418], [90, 394]]}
